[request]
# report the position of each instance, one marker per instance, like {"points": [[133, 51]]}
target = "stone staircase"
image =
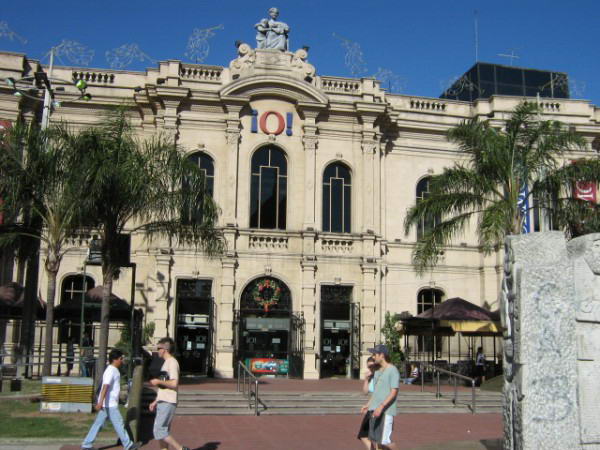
{"points": [[198, 402]]}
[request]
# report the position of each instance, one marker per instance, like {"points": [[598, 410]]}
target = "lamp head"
{"points": [[11, 82], [86, 97], [81, 85]]}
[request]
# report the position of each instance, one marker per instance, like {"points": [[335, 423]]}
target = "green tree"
{"points": [[41, 199], [485, 185], [140, 185], [391, 338]]}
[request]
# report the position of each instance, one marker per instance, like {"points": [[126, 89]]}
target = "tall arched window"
{"points": [[337, 189], [207, 166], [193, 213], [427, 299], [268, 189], [427, 223], [73, 289]]}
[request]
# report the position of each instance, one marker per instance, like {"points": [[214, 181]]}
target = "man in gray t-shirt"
{"points": [[383, 401]]}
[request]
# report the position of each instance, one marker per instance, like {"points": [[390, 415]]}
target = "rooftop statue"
{"points": [[272, 33]]}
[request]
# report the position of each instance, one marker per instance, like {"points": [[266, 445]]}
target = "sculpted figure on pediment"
{"points": [[272, 33]]}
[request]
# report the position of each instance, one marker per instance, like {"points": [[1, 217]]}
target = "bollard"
{"points": [[15, 385]]}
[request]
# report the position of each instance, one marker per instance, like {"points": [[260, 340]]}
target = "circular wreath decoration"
{"points": [[266, 293]]}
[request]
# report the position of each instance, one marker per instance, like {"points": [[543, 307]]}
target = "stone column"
{"points": [[233, 106], [309, 112], [368, 319], [224, 317], [171, 98], [368, 114], [309, 268]]}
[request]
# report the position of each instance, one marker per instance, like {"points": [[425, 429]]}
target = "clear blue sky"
{"points": [[423, 43]]}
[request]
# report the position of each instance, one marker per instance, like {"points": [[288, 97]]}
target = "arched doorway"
{"points": [[269, 335]]}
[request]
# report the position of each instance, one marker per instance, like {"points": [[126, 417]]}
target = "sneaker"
{"points": [[134, 446], [185, 448]]}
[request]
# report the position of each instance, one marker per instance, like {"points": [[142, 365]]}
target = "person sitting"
{"points": [[414, 374]]}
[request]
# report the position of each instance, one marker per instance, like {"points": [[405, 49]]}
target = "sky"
{"points": [[415, 47]]}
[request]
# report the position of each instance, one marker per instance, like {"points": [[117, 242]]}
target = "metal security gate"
{"points": [[296, 346], [355, 341]]}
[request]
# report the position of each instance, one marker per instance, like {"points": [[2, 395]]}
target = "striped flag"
{"points": [[523, 204]]}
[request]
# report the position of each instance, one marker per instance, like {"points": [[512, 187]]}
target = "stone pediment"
{"points": [[275, 85], [272, 72]]}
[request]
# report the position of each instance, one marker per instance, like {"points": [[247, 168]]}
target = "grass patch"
{"points": [[493, 384], [27, 387], [23, 419]]}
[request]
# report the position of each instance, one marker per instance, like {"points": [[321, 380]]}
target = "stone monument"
{"points": [[551, 317]]}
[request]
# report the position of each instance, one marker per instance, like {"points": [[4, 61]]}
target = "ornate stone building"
{"points": [[313, 174]]}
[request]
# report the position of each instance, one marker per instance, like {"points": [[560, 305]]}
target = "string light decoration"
{"points": [[197, 47], [353, 59], [121, 57], [74, 52], [389, 80], [6, 32]]}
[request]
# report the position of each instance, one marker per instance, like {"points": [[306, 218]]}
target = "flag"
{"points": [[523, 204]]}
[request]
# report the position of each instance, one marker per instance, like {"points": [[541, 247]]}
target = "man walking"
{"points": [[166, 398], [108, 404], [383, 401]]}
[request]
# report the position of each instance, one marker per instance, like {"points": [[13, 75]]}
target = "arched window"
{"points": [[337, 188], [192, 213], [427, 223], [268, 189], [73, 289], [207, 166], [427, 299]]}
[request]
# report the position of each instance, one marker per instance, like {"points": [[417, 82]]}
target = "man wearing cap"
{"points": [[383, 401], [166, 397]]}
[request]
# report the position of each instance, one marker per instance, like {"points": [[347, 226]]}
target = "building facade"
{"points": [[313, 175]]}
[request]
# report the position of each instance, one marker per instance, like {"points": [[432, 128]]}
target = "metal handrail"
{"points": [[452, 375], [247, 383]]}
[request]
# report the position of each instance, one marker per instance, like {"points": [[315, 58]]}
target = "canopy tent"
{"points": [[120, 310], [12, 300], [455, 315]]}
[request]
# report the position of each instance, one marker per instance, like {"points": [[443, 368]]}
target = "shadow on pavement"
{"points": [[492, 444], [209, 446]]}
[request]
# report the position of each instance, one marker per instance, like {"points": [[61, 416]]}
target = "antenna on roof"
{"points": [[476, 23], [510, 55]]}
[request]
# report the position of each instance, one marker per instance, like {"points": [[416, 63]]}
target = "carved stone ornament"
{"points": [[302, 66], [244, 61]]}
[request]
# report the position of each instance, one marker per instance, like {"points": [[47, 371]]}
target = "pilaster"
{"points": [[309, 268], [369, 335], [225, 318], [309, 112], [234, 106], [160, 284]]}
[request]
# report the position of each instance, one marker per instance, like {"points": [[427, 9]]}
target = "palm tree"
{"points": [[136, 185], [39, 195], [527, 158]]}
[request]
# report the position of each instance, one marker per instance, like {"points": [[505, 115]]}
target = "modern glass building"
{"points": [[484, 80]]}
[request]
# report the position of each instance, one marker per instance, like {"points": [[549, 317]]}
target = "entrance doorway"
{"points": [[267, 332], [194, 326], [340, 328]]}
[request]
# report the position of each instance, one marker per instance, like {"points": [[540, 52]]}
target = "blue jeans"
{"points": [[115, 417]]}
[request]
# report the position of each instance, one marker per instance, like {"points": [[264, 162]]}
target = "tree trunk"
{"points": [[107, 276], [52, 272]]}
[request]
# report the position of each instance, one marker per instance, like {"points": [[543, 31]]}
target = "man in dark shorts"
{"points": [[383, 401]]}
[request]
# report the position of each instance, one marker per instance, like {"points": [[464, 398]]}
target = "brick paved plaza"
{"points": [[333, 432]]}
